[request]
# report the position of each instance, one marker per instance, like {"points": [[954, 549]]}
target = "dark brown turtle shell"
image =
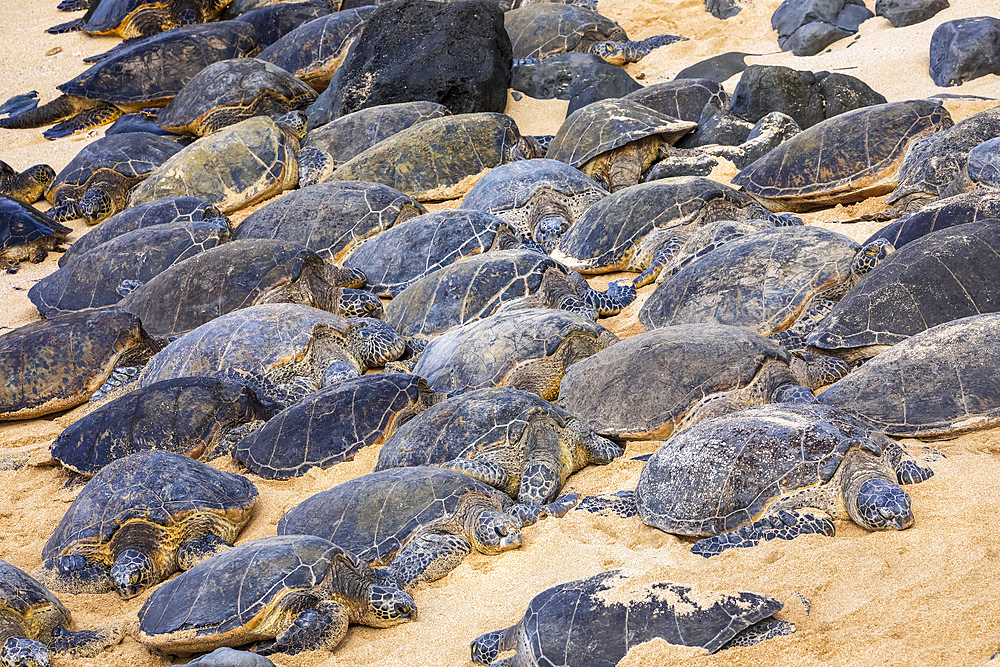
{"points": [[683, 99], [980, 204], [544, 29], [26, 233]]}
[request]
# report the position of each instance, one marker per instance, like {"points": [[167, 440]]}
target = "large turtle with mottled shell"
{"points": [[133, 19]]}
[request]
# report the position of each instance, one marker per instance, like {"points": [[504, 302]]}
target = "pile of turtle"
{"points": [[467, 345]]}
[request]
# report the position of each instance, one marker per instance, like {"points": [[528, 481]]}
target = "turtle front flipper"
{"points": [[428, 556], [86, 643], [234, 435], [784, 525], [323, 626], [95, 116], [75, 574], [531, 514], [653, 254], [817, 370], [486, 472], [611, 302], [193, 551], [66, 210], [70, 26], [23, 652], [621, 503], [908, 469], [118, 383], [761, 631]]}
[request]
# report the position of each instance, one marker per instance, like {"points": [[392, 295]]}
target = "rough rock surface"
{"points": [[965, 49]]}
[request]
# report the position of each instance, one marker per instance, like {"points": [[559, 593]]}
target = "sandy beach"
{"points": [[924, 596]]}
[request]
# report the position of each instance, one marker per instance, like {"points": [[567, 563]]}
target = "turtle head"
{"points": [[374, 343], [882, 505], [295, 122], [486, 648], [358, 303], [868, 257], [549, 229], [388, 605], [96, 205], [612, 52], [42, 174], [23, 652], [132, 573], [495, 532]]}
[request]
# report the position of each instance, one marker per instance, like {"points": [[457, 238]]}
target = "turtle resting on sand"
{"points": [[27, 186], [34, 624], [142, 518], [575, 624], [290, 594], [512, 440], [978, 205], [26, 233], [132, 19]]}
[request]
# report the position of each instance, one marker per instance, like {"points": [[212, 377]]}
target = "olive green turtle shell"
{"points": [[543, 29]]}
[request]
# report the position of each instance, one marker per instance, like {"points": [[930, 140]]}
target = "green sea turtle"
{"points": [[333, 424], [26, 233], [614, 141], [575, 624], [980, 204], [27, 186], [188, 415], [96, 183], [142, 518], [59, 363], [512, 440], [131, 19], [274, 21], [35, 624], [254, 271], [844, 159], [529, 349], [134, 78], [228, 91], [683, 99], [289, 594]]}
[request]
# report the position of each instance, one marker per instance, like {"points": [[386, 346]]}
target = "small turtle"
{"points": [[26, 233], [187, 415], [93, 280], [648, 386], [770, 472], [331, 219], [510, 439], [473, 288], [142, 518], [419, 521], [615, 141], [539, 198], [439, 158], [131, 19], [96, 183], [291, 594], [228, 91], [844, 159], [937, 384], [982, 204], [399, 256], [683, 99], [35, 623], [233, 168], [575, 624], [529, 349], [134, 78], [332, 425], [217, 281], [982, 168], [278, 346], [641, 227], [274, 21], [57, 364], [27, 186], [315, 50], [545, 29], [943, 276]]}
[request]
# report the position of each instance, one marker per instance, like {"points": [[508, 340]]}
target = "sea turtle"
{"points": [[581, 78], [140, 519], [775, 471], [844, 159], [35, 623], [399, 256], [641, 227], [545, 29], [683, 99], [27, 186], [419, 521], [143, 121], [131, 19], [981, 204], [649, 385], [982, 168], [333, 424], [440, 158], [134, 78], [291, 594], [157, 212], [276, 347], [539, 198], [92, 280], [615, 141], [510, 439], [217, 281], [274, 21], [942, 276], [96, 183], [475, 287], [777, 281], [315, 50], [26, 233], [707, 239], [938, 383], [187, 415], [235, 167], [58, 363], [331, 218], [529, 349], [228, 91], [575, 623]]}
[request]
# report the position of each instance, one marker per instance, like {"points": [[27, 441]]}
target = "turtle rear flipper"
{"points": [[429, 556], [102, 114], [70, 26], [761, 631], [61, 107], [86, 643], [785, 525]]}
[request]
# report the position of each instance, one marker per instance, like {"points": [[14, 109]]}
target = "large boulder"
{"points": [[965, 49], [902, 13], [806, 27], [400, 57]]}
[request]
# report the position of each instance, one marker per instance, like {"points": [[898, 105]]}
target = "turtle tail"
{"points": [[61, 107]]}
